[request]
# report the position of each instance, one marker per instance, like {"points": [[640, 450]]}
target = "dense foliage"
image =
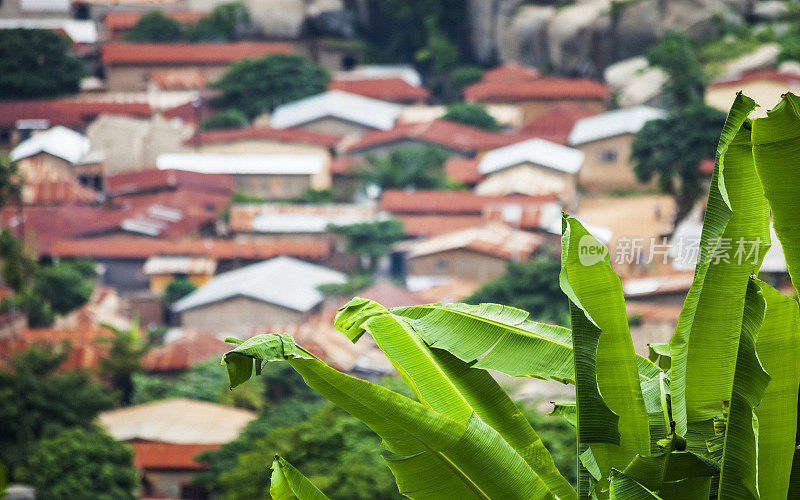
{"points": [[531, 286], [62, 286], [38, 402], [474, 115], [81, 463], [227, 22], [177, 289], [414, 167], [686, 81], [371, 240], [37, 63], [230, 118], [155, 27], [255, 86]]}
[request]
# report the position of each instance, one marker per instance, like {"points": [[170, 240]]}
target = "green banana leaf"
{"points": [[287, 483], [611, 413], [431, 455], [625, 488], [776, 149], [450, 386], [568, 411], [658, 353], [667, 474], [704, 345], [778, 348], [739, 472], [655, 391]]}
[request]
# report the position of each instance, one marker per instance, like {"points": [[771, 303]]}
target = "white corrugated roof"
{"points": [[176, 264], [283, 281], [58, 141], [44, 6], [78, 31], [537, 151], [353, 108], [378, 71], [276, 164], [177, 421], [613, 123], [299, 223]]}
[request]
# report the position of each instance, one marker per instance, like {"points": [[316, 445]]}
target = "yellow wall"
{"points": [[767, 93]]}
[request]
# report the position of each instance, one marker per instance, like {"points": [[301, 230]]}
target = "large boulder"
{"points": [[579, 38], [764, 57], [644, 88], [619, 74], [485, 19], [770, 10], [278, 18], [524, 37]]}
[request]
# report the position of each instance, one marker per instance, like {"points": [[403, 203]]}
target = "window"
{"points": [[608, 156], [441, 264]]}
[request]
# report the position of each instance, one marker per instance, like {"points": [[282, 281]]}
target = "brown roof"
{"points": [[289, 135], [135, 247], [342, 164], [431, 225], [765, 74], [148, 181], [151, 455], [451, 135], [450, 202], [510, 72], [463, 170], [179, 79], [127, 20], [184, 353], [544, 88], [556, 124], [386, 89], [56, 193], [69, 112], [494, 239], [195, 53]]}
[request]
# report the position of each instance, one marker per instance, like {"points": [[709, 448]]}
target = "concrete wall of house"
{"points": [[334, 126], [260, 147], [607, 166], [767, 93], [528, 178], [134, 77], [462, 263], [166, 483], [239, 315]]}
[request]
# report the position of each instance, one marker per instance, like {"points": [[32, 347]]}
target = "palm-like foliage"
{"points": [[712, 414]]}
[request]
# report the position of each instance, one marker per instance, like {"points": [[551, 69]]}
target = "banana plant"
{"points": [[711, 414]]}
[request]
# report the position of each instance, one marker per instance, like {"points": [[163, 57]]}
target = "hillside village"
{"points": [[254, 219]]}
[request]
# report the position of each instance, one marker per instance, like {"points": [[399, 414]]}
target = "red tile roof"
{"points": [[556, 124], [545, 88], [765, 74], [149, 181], [196, 53], [510, 72], [450, 202], [386, 89], [184, 353], [423, 226], [452, 135], [151, 455], [289, 135], [341, 165], [179, 79], [187, 111], [135, 247], [127, 20], [69, 112], [463, 170]]}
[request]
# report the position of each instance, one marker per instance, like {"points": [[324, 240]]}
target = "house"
{"points": [[463, 170], [537, 94], [129, 66], [282, 290], [430, 213], [336, 113], [57, 168], [263, 140], [167, 436], [269, 176], [765, 86], [556, 124], [163, 269], [395, 90], [533, 167], [34, 9], [473, 254], [153, 181], [118, 23], [297, 219], [131, 143], [606, 140], [457, 138], [179, 355]]}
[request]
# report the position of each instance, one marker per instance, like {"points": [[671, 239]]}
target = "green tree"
{"points": [[62, 286], [177, 289], [686, 82], [671, 150], [371, 240], [81, 463], [464, 76], [473, 115], [10, 182], [155, 27], [417, 167], [37, 63], [232, 19], [124, 360], [18, 269], [354, 284], [531, 286], [36, 401], [255, 86], [228, 119]]}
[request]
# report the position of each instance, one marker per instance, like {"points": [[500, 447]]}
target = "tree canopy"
{"points": [[81, 463], [473, 115], [371, 240], [685, 84], [155, 27], [62, 286], [37, 63], [178, 289], [228, 21], [255, 86], [671, 150], [417, 167]]}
